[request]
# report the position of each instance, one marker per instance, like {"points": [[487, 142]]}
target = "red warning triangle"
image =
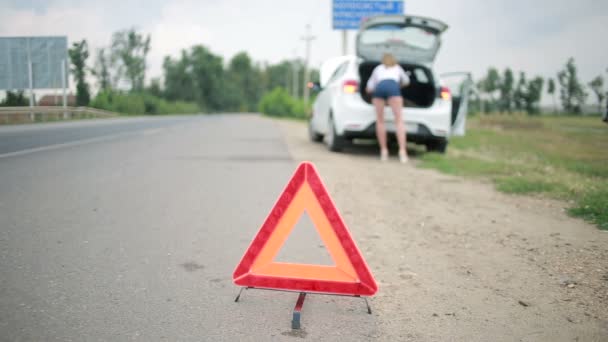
{"points": [[305, 192]]}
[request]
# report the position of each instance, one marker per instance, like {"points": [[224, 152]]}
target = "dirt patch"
{"points": [[191, 266], [483, 265], [299, 333]]}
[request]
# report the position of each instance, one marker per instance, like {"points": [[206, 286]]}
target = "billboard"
{"points": [[46, 55], [348, 14]]}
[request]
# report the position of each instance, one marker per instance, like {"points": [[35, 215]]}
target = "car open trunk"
{"points": [[421, 92]]}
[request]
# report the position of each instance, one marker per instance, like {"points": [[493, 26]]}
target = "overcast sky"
{"points": [[536, 36]]}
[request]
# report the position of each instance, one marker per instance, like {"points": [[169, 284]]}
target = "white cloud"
{"points": [[76, 23], [179, 28]]}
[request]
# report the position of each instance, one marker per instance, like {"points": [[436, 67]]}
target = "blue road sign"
{"points": [[348, 14]]}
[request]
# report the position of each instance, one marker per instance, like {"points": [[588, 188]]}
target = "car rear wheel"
{"points": [[312, 135], [439, 146], [334, 142]]}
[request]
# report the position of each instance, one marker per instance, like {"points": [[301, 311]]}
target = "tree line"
{"points": [[502, 92], [196, 80]]}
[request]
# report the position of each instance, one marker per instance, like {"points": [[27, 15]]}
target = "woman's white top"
{"points": [[382, 72]]}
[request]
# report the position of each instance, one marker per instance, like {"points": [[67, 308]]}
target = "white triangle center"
{"points": [[304, 245]]}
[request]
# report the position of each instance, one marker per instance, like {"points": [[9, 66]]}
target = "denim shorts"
{"points": [[386, 89]]}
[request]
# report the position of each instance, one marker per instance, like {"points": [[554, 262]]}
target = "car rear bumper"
{"points": [[355, 118], [419, 134]]}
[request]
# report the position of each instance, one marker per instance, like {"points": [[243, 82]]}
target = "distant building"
{"points": [[57, 100]]}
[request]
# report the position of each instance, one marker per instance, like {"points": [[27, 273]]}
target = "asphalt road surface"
{"points": [[130, 229], [23, 139]]}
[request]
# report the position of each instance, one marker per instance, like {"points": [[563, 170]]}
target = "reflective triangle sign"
{"points": [[305, 192]]}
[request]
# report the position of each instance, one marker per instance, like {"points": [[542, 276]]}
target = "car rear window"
{"points": [[399, 35]]}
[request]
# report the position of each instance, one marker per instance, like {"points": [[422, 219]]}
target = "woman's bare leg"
{"points": [[380, 128], [396, 103]]}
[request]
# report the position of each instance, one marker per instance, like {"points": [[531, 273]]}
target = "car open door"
{"points": [[410, 39], [460, 84]]}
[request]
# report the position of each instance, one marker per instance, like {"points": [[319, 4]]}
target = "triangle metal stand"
{"points": [[297, 310]]}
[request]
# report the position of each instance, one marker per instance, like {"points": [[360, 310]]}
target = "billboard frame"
{"points": [[45, 59]]}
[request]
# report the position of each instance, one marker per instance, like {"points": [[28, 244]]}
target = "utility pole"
{"points": [[308, 38], [295, 73]]}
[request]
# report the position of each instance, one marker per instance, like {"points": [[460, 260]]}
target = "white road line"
{"points": [[152, 131], [76, 143]]}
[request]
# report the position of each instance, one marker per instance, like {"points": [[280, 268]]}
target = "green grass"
{"points": [[562, 157], [522, 185], [593, 207]]}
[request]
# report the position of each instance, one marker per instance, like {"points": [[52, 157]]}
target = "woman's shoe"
{"points": [[383, 155], [403, 157]]}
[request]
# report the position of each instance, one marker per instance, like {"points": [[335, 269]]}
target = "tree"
{"points": [[597, 85], [199, 76], [572, 93], [247, 79], [479, 90], [506, 91], [209, 80], [102, 70], [154, 87], [179, 81], [78, 56], [519, 95], [551, 91], [130, 49], [489, 85], [15, 99], [533, 94], [278, 75]]}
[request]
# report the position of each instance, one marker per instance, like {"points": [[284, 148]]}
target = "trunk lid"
{"points": [[411, 39]]}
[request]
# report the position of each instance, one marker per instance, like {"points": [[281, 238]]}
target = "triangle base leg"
{"points": [[369, 309], [297, 311], [239, 295]]}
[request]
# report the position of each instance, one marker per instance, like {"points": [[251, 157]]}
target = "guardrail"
{"points": [[15, 115]]}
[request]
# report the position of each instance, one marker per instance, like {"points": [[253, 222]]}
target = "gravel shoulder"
{"points": [[456, 260]]}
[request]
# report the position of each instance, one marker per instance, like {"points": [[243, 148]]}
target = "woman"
{"points": [[385, 86]]}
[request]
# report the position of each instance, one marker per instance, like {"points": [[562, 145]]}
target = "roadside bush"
{"points": [[279, 103], [15, 99], [178, 107], [119, 102], [140, 103]]}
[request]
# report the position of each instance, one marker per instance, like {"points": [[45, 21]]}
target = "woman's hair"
{"points": [[388, 60]]}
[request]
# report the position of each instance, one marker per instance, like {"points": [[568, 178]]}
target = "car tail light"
{"points": [[350, 86], [445, 93]]}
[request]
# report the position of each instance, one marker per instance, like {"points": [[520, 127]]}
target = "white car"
{"points": [[434, 108]]}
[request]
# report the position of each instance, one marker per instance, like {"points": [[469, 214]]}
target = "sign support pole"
{"points": [[344, 42], [63, 82], [31, 80], [29, 69]]}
